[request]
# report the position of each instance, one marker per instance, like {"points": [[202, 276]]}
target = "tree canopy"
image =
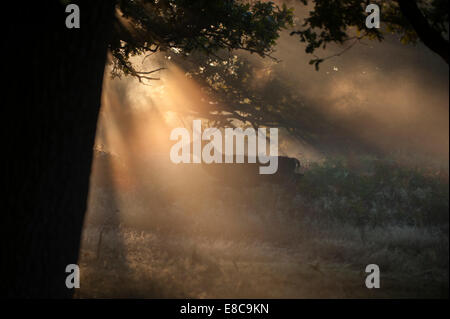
{"points": [[208, 31], [206, 26], [341, 21]]}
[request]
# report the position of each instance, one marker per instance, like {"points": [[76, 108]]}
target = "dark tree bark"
{"points": [[51, 99], [430, 37]]}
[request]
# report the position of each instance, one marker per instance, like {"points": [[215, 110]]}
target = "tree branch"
{"points": [[430, 37]]}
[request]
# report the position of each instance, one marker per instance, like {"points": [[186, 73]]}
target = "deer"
{"points": [[247, 174]]}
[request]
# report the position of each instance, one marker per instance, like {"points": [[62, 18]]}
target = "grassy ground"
{"points": [[311, 241]]}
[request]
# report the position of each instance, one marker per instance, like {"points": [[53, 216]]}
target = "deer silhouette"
{"points": [[247, 174]]}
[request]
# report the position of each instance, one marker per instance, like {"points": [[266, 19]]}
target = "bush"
{"points": [[375, 192]]}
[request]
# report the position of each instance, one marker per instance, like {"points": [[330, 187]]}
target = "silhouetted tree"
{"points": [[51, 102]]}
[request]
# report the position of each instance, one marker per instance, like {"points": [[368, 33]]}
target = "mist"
{"points": [[174, 230]]}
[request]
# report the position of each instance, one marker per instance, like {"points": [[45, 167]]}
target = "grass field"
{"points": [[311, 241]]}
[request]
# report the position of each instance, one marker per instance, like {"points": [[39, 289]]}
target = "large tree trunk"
{"points": [[50, 105]]}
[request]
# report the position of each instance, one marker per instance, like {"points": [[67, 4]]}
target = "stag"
{"points": [[247, 174]]}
